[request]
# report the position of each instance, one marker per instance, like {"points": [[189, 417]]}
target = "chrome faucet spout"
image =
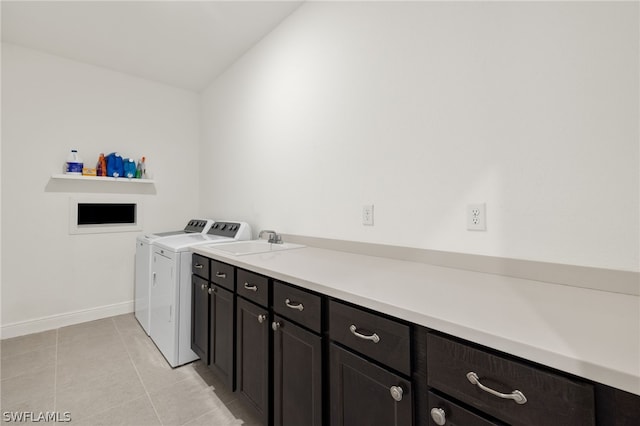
{"points": [[273, 236]]}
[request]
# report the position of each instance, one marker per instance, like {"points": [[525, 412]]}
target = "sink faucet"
{"points": [[274, 238]]}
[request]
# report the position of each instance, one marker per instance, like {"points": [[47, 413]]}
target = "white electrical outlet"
{"points": [[367, 215], [477, 217]]}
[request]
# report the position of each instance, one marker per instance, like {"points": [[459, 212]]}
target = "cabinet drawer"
{"points": [[551, 399], [382, 339], [253, 287], [223, 274], [297, 305], [200, 266], [444, 412]]}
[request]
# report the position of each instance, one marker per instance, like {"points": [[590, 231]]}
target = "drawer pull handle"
{"points": [[221, 275], [297, 306], [373, 337], [516, 395], [396, 393], [198, 266], [250, 287], [261, 318], [438, 416]]}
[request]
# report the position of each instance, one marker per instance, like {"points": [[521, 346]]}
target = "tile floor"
{"points": [[109, 372]]}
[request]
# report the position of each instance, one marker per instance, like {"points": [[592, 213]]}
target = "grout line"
{"points": [[137, 372]]}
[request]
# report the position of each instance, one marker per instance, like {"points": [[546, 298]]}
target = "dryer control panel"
{"points": [[198, 226], [225, 229]]}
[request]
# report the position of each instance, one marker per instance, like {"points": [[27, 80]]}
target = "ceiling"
{"points": [[181, 43]]}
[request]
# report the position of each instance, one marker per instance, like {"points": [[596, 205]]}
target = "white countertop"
{"points": [[589, 333]]}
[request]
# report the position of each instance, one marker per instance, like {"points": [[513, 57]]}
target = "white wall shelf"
{"points": [[100, 178]]}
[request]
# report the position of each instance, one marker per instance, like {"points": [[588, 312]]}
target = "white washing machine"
{"points": [[144, 255], [170, 303]]}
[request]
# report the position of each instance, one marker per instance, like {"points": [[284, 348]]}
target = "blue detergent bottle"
{"points": [[115, 165], [129, 168]]}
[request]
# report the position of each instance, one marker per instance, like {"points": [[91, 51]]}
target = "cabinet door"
{"points": [[252, 334], [200, 318], [363, 394], [221, 327], [297, 375]]}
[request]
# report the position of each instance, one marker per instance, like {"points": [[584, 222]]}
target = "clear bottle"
{"points": [[139, 170], [143, 171]]}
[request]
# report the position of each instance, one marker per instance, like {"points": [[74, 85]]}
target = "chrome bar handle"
{"points": [[516, 395], [297, 306], [373, 337], [221, 275], [250, 287], [198, 266]]}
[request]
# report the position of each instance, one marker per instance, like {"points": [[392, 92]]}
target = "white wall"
{"points": [[421, 108], [49, 106]]}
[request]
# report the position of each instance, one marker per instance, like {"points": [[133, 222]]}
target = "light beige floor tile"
{"points": [[12, 366], [138, 412], [128, 324], [92, 345], [35, 406], [219, 389], [92, 331], [90, 362], [159, 375], [141, 349], [30, 387], [74, 373], [232, 414], [93, 395], [184, 401], [28, 343]]}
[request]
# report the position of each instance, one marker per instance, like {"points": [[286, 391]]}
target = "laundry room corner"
{"points": [[50, 105]]}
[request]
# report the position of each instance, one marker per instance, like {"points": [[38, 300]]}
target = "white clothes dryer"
{"points": [[144, 255], [170, 302]]}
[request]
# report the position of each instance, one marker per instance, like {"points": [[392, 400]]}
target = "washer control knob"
{"points": [[438, 416]]}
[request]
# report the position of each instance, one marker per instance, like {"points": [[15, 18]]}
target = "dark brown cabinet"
{"points": [[221, 331], [297, 358], [364, 394], [212, 318], [297, 375], [252, 366], [200, 317]]}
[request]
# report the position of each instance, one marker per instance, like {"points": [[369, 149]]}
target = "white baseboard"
{"points": [[62, 320]]}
